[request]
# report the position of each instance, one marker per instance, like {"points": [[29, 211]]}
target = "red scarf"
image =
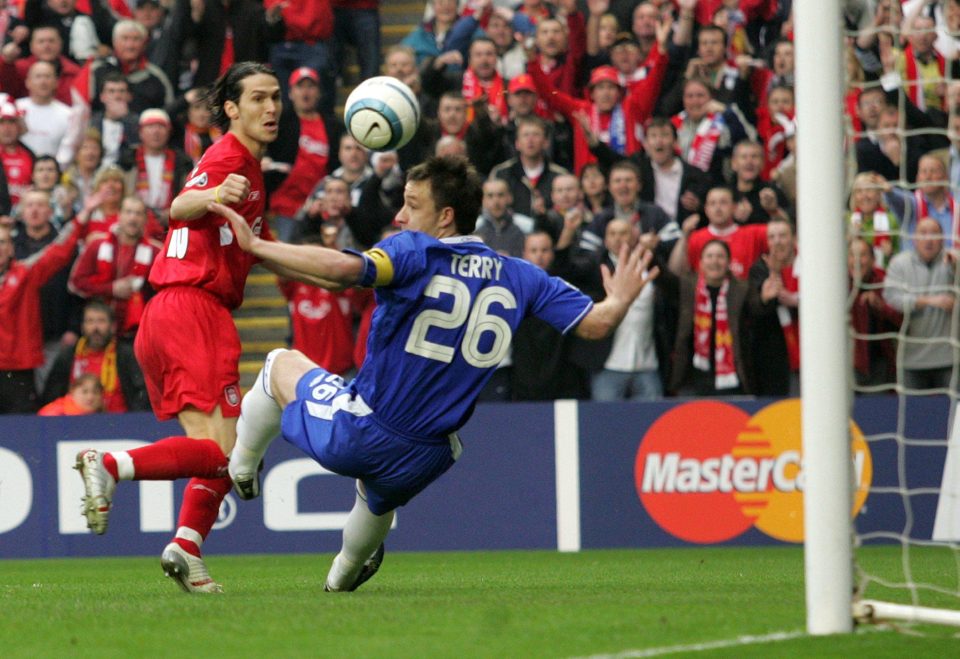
{"points": [[915, 83], [127, 312], [474, 88], [143, 178], [791, 331], [923, 211], [193, 140], [705, 140], [726, 372]]}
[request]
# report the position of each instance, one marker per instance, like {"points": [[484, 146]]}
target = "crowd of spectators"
{"points": [[662, 123]]}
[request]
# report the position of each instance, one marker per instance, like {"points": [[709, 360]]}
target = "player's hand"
{"points": [[234, 189], [245, 237], [631, 275]]}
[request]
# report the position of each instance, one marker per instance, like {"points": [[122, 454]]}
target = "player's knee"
{"points": [[282, 370]]}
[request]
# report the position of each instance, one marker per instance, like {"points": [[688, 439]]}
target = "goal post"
{"points": [[828, 468]]}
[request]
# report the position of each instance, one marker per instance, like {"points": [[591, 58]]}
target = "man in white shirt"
{"points": [[47, 119]]}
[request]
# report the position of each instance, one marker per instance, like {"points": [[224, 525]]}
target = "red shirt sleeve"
{"points": [[555, 99], [83, 279], [52, 258]]}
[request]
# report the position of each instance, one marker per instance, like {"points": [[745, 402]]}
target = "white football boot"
{"points": [[98, 486], [189, 571]]}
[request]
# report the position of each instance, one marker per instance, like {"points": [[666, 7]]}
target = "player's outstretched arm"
{"points": [[326, 267], [192, 204], [622, 287]]}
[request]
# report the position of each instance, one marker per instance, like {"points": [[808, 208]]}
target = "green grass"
{"points": [[497, 604]]}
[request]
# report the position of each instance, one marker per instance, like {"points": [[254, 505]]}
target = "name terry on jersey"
{"points": [[471, 265]]}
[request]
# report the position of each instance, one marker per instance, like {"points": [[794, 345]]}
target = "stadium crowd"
{"points": [[668, 123]]}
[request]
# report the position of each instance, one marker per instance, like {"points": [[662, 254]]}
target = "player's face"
{"points": [[96, 328], [719, 207], [624, 187], [419, 213], [257, 114], [538, 250], [88, 395], [714, 264]]}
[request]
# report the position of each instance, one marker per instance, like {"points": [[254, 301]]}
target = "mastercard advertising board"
{"points": [[707, 471]]}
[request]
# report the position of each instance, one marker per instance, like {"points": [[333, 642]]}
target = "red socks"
{"points": [[173, 458], [201, 505]]}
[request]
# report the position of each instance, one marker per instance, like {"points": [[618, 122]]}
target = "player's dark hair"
{"points": [[229, 87], [97, 304], [454, 183]]}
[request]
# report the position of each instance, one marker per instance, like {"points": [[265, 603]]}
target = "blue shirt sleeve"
{"points": [[557, 302]]}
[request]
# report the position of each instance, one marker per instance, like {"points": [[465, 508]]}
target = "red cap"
{"points": [[522, 83], [604, 74], [303, 73]]}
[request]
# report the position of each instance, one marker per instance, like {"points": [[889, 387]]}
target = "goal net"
{"points": [[902, 323]]}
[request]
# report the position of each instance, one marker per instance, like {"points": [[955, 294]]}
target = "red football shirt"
{"points": [[18, 166], [746, 244], [309, 167], [322, 324], [204, 252]]}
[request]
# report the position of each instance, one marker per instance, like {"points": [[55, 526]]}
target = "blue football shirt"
{"points": [[446, 313]]}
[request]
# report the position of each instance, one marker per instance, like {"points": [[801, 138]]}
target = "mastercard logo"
{"points": [[707, 471]]}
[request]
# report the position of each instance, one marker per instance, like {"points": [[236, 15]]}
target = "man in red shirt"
{"points": [[187, 344], [21, 333], [300, 154], [17, 159], [747, 242], [115, 267]]}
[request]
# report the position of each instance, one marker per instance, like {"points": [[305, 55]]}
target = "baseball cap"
{"points": [[9, 111], [303, 73], [522, 83], [604, 74], [625, 38], [154, 116]]}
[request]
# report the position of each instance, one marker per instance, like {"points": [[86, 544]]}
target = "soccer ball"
{"points": [[382, 113]]}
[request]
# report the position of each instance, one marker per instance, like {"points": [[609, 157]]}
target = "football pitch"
{"points": [[732, 602]]}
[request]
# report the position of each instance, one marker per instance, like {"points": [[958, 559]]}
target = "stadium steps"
{"points": [[262, 322]]}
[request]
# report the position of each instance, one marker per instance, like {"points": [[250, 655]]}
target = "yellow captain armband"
{"points": [[382, 264]]}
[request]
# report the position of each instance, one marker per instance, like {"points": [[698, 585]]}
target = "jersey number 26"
{"points": [[475, 313]]}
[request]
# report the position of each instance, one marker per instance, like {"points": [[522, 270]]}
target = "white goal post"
{"points": [[828, 468]]}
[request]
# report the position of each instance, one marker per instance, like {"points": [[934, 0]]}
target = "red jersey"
{"points": [[322, 324], [309, 167], [18, 166], [746, 243], [204, 252], [21, 334]]}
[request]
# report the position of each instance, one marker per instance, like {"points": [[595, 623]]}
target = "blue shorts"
{"points": [[335, 427]]}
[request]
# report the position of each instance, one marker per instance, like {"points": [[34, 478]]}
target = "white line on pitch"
{"points": [[700, 647]]}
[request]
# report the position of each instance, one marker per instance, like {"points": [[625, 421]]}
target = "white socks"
{"points": [[258, 425], [362, 534]]}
